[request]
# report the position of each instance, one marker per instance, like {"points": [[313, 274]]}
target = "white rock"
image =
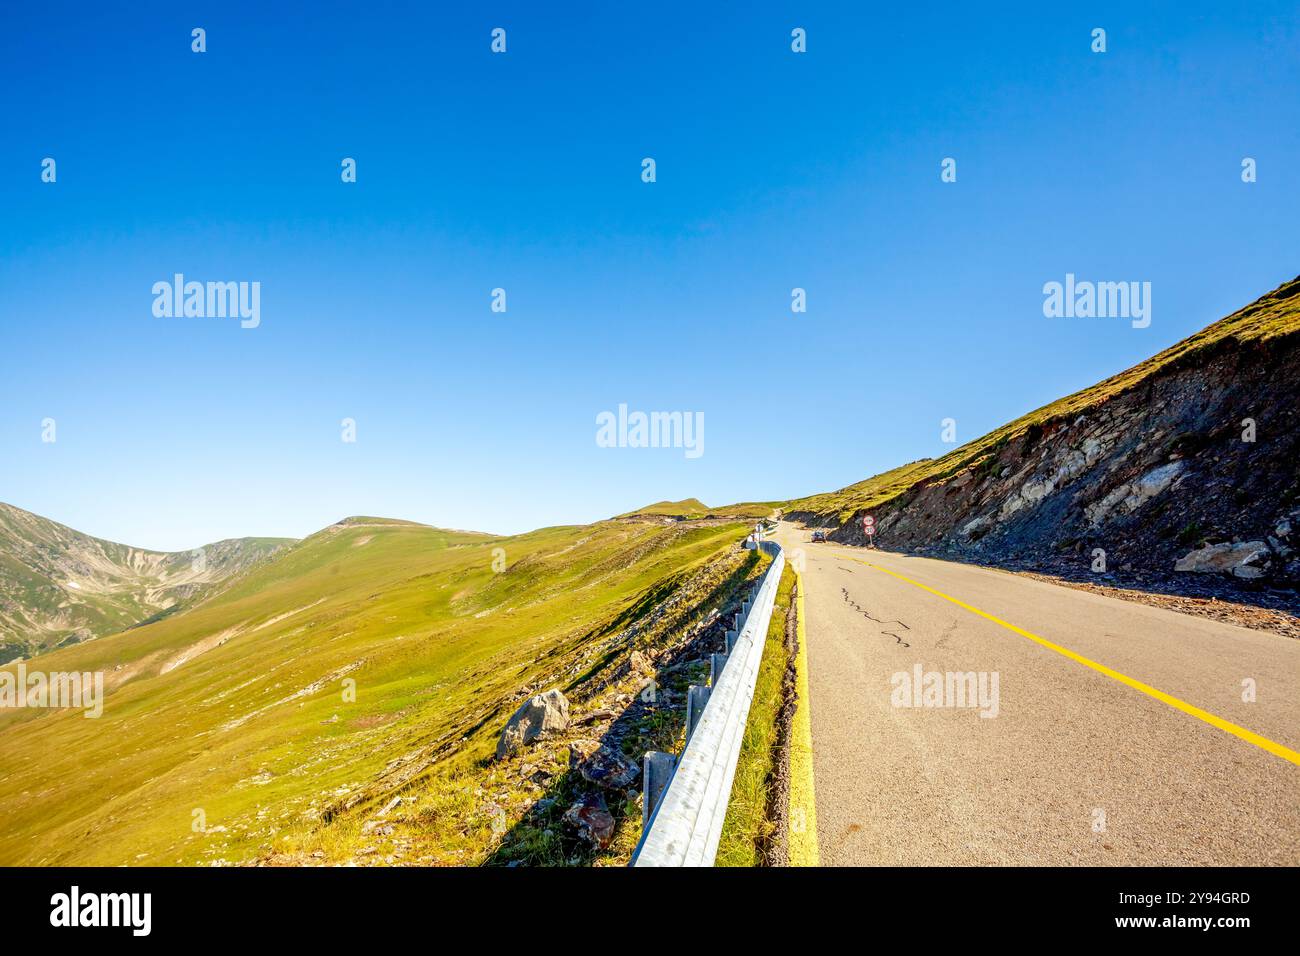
{"points": [[1241, 560], [538, 716]]}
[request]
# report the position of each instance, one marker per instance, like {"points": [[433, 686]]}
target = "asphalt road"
{"points": [[1077, 766]]}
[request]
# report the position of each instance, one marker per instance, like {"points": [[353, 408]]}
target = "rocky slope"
{"points": [[59, 586], [1180, 474]]}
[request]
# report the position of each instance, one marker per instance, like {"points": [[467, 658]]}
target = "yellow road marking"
{"points": [[802, 822], [1286, 753]]}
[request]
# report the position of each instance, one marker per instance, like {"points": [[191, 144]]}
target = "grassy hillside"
{"points": [[1269, 318], [59, 586], [237, 708]]}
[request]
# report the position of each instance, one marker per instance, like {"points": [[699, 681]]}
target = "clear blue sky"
{"points": [[522, 171]]}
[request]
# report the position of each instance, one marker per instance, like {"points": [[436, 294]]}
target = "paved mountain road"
{"points": [[1077, 766]]}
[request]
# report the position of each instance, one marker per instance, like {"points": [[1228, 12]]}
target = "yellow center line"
{"points": [[802, 821], [1286, 753]]}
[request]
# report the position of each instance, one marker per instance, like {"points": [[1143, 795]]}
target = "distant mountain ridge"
{"points": [[59, 586]]}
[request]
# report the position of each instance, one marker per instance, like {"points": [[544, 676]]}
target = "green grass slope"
{"points": [[236, 713], [1258, 325]]}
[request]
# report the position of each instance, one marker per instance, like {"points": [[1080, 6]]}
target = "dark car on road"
{"points": [[819, 536]]}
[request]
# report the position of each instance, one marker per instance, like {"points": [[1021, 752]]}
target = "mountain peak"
{"points": [[686, 508]]}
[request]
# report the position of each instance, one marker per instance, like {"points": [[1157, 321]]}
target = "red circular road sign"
{"points": [[868, 523]]}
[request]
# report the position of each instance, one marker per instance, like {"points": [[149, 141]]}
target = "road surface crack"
{"points": [[868, 615]]}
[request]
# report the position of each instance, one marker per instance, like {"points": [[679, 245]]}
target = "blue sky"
{"points": [[522, 171]]}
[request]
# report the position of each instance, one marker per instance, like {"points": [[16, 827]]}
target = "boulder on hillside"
{"points": [[590, 816], [638, 663], [610, 769], [538, 716], [1247, 559]]}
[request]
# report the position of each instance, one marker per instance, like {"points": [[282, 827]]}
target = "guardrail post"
{"points": [[731, 638], [696, 698], [716, 663], [657, 769]]}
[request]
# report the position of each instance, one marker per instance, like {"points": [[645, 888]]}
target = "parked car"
{"points": [[819, 536]]}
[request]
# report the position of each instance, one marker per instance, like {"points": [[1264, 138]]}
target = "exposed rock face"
{"points": [[538, 716], [1148, 475], [1132, 495]]}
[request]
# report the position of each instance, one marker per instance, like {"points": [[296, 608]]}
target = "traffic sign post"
{"points": [[869, 526]]}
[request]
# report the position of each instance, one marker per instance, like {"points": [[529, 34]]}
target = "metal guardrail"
{"points": [[685, 798]]}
